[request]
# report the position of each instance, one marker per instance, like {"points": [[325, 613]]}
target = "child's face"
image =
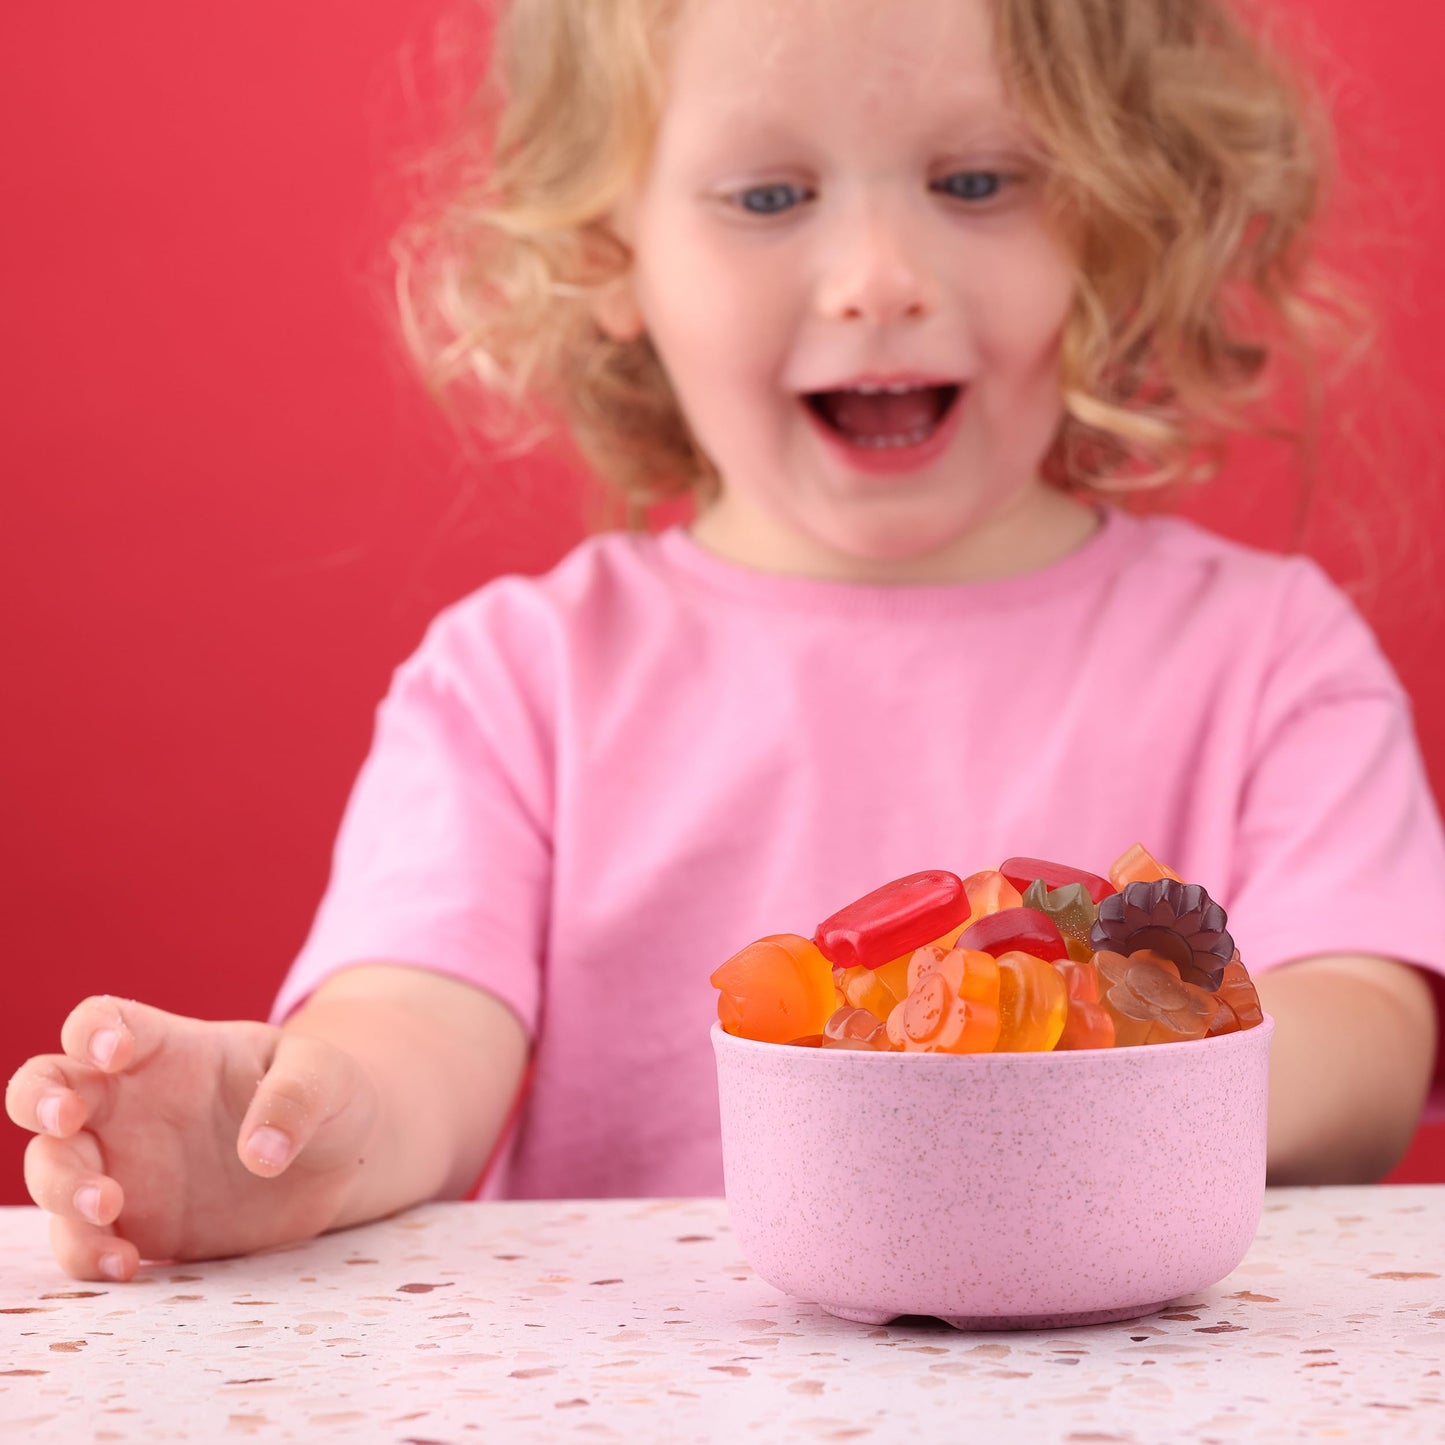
{"points": [[840, 194]]}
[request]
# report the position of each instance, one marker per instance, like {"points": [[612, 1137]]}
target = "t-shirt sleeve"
{"points": [[1341, 847], [443, 859]]}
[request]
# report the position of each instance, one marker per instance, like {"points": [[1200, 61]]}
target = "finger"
{"points": [[65, 1178], [51, 1094], [310, 1082], [114, 1034], [85, 1252]]}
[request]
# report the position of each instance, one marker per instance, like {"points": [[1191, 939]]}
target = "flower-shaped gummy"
{"points": [[1178, 921], [1149, 1002], [953, 1007]]}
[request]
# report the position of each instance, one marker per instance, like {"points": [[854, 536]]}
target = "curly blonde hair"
{"points": [[1187, 162]]}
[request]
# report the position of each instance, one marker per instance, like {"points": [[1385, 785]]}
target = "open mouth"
{"points": [[884, 418]]}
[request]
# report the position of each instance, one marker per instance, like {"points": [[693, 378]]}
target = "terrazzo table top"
{"points": [[637, 1321]]}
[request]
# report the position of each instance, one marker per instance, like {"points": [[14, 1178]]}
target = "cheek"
{"points": [[718, 321], [1020, 401], [703, 296], [1023, 314]]}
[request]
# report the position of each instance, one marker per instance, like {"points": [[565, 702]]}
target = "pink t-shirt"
{"points": [[588, 789]]}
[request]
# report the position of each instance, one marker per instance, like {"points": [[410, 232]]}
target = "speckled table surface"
{"points": [[637, 1321]]}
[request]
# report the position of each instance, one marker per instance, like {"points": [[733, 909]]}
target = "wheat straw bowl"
{"points": [[995, 1191]]}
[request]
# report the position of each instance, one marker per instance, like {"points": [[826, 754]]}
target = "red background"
{"points": [[229, 511]]}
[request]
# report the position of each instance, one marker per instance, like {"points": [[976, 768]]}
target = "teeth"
{"points": [[908, 439], [897, 390]]}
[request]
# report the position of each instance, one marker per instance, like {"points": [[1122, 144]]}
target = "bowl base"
{"points": [[1002, 1322]]}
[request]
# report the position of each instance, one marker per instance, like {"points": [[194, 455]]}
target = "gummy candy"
{"points": [[1238, 1001], [876, 989], [953, 1006], [854, 1028], [1138, 865], [1149, 1002], [1015, 928], [775, 990], [881, 989], [1021, 872], [1089, 1025], [988, 892], [1178, 920], [1033, 1003], [1072, 910], [893, 920], [932, 964]]}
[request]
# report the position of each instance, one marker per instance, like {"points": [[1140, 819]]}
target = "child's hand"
{"points": [[162, 1137]]}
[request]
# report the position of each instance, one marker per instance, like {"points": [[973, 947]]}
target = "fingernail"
{"points": [[112, 1267], [87, 1201], [48, 1112], [270, 1146], [103, 1044]]}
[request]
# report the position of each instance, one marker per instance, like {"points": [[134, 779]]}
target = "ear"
{"points": [[616, 312], [615, 306]]}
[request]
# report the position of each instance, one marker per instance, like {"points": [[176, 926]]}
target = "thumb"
{"points": [[310, 1086]]}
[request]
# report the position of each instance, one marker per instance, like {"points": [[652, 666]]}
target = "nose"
{"points": [[876, 273]]}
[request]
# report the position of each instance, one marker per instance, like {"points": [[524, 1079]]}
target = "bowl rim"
{"points": [[1026, 1058]]}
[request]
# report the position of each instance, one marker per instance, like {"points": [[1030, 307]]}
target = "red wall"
{"points": [[229, 512]]}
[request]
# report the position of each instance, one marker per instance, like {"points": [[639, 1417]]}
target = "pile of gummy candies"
{"points": [[1029, 956]]}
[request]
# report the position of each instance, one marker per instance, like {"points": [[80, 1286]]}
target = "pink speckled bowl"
{"points": [[995, 1191]]}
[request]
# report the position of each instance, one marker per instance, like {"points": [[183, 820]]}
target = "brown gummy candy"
{"points": [[1178, 921]]}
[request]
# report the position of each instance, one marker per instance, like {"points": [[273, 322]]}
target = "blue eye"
{"points": [[971, 185], [770, 200]]}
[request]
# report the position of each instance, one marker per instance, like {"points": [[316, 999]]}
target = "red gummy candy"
{"points": [[893, 920], [1010, 930], [1023, 871]]}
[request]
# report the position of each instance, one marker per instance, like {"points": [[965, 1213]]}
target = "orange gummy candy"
{"points": [[1088, 1025], [879, 990], [1138, 865], [1149, 1002], [775, 990], [952, 1006], [988, 892], [1239, 1006], [1033, 1003]]}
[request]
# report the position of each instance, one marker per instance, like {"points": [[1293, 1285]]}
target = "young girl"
{"points": [[901, 293]]}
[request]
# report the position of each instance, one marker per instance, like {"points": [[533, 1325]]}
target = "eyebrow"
{"points": [[969, 113], [987, 126]]}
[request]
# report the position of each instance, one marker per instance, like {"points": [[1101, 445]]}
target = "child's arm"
{"points": [[392, 1083], [1352, 1056]]}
